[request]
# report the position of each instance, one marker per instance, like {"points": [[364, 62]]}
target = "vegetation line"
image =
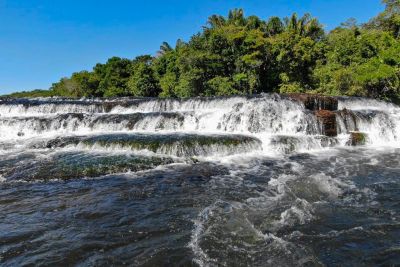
{"points": [[246, 55]]}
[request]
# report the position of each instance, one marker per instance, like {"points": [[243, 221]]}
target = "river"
{"points": [[230, 181]]}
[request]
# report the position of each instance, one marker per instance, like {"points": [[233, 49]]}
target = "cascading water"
{"points": [[266, 117], [261, 180]]}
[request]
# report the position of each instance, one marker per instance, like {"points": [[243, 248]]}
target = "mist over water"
{"points": [[230, 181]]}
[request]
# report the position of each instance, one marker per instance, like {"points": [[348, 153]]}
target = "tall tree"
{"points": [[389, 19]]}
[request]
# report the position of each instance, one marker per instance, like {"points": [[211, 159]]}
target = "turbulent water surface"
{"points": [[198, 182]]}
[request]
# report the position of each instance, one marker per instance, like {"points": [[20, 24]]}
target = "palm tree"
{"points": [[236, 17], [253, 22], [305, 26], [314, 29], [164, 48], [274, 26], [216, 21]]}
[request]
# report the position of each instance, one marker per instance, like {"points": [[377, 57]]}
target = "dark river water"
{"points": [[201, 182]]}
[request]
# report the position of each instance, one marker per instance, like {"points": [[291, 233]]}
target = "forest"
{"points": [[238, 55]]}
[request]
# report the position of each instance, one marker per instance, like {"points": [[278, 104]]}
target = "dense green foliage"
{"points": [[246, 55], [34, 93]]}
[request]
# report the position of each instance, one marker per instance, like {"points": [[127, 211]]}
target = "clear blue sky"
{"points": [[42, 41]]}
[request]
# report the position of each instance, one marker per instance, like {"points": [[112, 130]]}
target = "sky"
{"points": [[43, 41]]}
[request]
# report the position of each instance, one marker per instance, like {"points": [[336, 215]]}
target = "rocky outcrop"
{"points": [[327, 122], [323, 107], [315, 102], [356, 139]]}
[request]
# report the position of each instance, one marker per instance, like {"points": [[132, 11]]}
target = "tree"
{"points": [[143, 83], [305, 26], [113, 77], [215, 21], [388, 20], [80, 84], [87, 83], [66, 87], [164, 49], [236, 17], [362, 62], [295, 58], [168, 84], [238, 54], [274, 26], [221, 86]]}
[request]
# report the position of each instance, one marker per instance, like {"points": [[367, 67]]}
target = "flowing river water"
{"points": [[237, 181]]}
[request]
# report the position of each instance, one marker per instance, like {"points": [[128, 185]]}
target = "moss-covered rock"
{"points": [[357, 139], [181, 145]]}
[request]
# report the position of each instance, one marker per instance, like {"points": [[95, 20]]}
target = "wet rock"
{"points": [[357, 139], [347, 120], [315, 102], [327, 122]]}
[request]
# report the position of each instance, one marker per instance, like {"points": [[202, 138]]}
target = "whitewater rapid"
{"points": [[281, 124]]}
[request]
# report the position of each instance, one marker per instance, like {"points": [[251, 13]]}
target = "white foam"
{"points": [[300, 213], [328, 185], [200, 257], [283, 126]]}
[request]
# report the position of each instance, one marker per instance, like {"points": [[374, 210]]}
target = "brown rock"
{"points": [[356, 139], [327, 122], [315, 102]]}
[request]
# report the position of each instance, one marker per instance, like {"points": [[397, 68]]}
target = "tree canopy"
{"points": [[240, 54]]}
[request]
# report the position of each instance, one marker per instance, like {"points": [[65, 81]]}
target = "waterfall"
{"points": [[378, 119], [279, 123]]}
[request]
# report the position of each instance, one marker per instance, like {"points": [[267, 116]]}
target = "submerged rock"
{"points": [[357, 139], [315, 102], [72, 165], [327, 122]]}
